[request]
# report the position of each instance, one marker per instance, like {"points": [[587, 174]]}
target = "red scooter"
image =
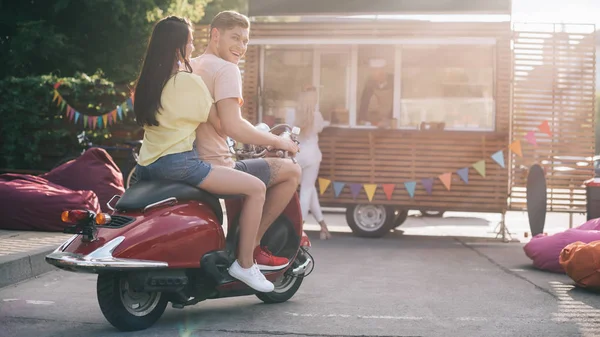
{"points": [[164, 242]]}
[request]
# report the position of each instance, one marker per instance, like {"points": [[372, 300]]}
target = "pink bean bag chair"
{"points": [[545, 250], [94, 171], [33, 203]]}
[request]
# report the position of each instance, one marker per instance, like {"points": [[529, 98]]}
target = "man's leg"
{"points": [[283, 183]]}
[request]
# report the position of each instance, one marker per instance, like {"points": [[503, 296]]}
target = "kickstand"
{"points": [[501, 229]]}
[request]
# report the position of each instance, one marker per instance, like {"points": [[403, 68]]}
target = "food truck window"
{"points": [[375, 85], [450, 84], [286, 71]]}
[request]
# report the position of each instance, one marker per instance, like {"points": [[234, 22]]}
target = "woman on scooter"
{"points": [[170, 103]]}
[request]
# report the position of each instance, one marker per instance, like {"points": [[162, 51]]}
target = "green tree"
{"points": [[68, 36]]}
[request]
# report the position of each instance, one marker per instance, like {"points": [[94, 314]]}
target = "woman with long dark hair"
{"points": [[170, 102]]}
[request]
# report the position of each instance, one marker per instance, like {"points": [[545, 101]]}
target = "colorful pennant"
{"points": [[410, 187], [530, 137], [323, 184], [337, 188], [354, 190], [388, 189], [446, 179], [370, 190], [480, 167], [463, 173], [428, 184], [516, 148], [499, 158]]}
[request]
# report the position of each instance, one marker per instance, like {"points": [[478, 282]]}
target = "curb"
{"points": [[22, 266]]}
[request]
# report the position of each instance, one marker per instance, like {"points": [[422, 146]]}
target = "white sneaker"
{"points": [[252, 277]]}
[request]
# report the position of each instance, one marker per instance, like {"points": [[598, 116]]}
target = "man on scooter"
{"points": [[228, 41]]}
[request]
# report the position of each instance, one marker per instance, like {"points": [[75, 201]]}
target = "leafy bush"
{"points": [[35, 133]]}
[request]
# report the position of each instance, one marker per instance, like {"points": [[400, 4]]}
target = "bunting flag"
{"points": [[323, 184], [499, 158], [354, 189], [516, 148], [530, 137], [370, 190], [338, 187], [463, 173], [446, 179], [410, 187], [91, 122], [428, 184], [480, 167], [545, 128], [388, 189]]}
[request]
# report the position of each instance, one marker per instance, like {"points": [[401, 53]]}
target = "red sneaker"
{"points": [[267, 261]]}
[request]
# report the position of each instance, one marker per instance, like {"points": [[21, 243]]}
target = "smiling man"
{"points": [[218, 67]]}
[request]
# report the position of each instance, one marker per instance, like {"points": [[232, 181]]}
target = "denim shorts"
{"points": [[184, 166]]}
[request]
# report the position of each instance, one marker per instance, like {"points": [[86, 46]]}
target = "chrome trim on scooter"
{"points": [[302, 268], [171, 200], [100, 259], [111, 199]]}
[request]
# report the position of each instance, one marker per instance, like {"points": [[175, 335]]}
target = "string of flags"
{"points": [[445, 178], [89, 121]]}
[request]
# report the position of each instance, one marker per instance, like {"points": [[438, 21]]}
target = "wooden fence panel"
{"points": [[554, 81]]}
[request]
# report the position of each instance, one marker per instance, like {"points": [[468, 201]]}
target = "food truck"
{"points": [[427, 110]]}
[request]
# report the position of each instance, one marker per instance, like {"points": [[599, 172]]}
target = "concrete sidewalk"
{"points": [[22, 254]]}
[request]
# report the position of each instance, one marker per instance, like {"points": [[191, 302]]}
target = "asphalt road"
{"points": [[401, 285]]}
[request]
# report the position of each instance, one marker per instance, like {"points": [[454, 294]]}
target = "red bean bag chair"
{"points": [[95, 171], [544, 250], [33, 203], [581, 262]]}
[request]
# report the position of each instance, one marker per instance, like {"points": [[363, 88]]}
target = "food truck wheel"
{"points": [[401, 216], [372, 221]]}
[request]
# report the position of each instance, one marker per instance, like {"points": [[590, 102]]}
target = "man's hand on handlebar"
{"points": [[288, 145]]}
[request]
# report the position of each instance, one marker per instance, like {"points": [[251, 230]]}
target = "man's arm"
{"points": [[236, 127]]}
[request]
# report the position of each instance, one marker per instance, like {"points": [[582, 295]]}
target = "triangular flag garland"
{"points": [[89, 121], [371, 189]]}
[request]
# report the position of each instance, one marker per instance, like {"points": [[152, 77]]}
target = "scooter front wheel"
{"points": [[286, 287], [126, 309]]}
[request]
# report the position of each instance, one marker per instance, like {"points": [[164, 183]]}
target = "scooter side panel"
{"points": [[178, 235]]}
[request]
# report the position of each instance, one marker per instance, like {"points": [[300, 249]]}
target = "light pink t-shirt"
{"points": [[223, 80]]}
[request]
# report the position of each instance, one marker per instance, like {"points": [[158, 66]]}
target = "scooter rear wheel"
{"points": [[126, 309], [285, 288]]}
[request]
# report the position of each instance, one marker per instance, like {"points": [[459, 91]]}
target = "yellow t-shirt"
{"points": [[186, 103]]}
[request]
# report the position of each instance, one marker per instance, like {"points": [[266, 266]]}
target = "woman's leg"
{"points": [[307, 183], [315, 209], [228, 181]]}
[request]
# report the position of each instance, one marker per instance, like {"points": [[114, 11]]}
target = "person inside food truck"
{"points": [[377, 99]]}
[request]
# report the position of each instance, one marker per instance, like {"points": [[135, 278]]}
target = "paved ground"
{"points": [[402, 285]]}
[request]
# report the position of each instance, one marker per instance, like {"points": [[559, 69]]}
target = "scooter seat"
{"points": [[144, 193]]}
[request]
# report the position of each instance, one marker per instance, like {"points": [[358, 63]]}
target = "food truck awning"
{"points": [[357, 7]]}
